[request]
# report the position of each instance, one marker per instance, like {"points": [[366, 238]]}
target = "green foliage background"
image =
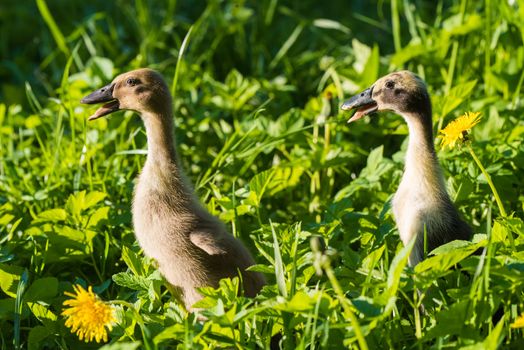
{"points": [[261, 136]]}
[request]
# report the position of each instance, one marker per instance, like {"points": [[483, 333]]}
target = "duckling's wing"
{"points": [[208, 242]]}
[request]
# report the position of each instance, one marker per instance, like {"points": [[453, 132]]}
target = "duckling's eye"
{"points": [[132, 81], [390, 84]]}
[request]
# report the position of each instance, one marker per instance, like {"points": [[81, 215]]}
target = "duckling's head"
{"points": [[141, 90], [402, 92]]}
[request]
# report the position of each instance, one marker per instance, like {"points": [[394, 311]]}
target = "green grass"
{"points": [[260, 134]]}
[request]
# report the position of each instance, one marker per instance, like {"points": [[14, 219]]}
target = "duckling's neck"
{"points": [[420, 154], [422, 169], [160, 139], [162, 172]]}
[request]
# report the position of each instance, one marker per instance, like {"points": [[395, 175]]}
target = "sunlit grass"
{"points": [[259, 133]]}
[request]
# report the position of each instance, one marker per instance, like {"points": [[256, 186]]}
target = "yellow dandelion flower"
{"points": [[458, 129], [330, 91], [519, 322], [87, 315]]}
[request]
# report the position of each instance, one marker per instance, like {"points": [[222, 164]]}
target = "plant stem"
{"points": [[418, 327], [490, 182]]}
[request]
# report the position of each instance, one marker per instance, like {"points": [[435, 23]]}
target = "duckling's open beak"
{"points": [[363, 103], [104, 94]]}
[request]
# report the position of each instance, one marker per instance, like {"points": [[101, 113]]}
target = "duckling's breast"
{"points": [[415, 203], [162, 218]]}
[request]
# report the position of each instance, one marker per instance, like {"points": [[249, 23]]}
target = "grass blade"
{"points": [[287, 45], [279, 265], [18, 307], [53, 27], [179, 60]]}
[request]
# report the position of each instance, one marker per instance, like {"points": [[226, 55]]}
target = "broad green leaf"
{"points": [[93, 198], [374, 159], [409, 52], [5, 219], [447, 256], [457, 94], [239, 210], [491, 125], [517, 133], [125, 279], [450, 320], [75, 203], [499, 233], [515, 224], [302, 302], [42, 289], [122, 346], [73, 238], [53, 215], [9, 278], [373, 257], [43, 314], [175, 331], [284, 178], [103, 66], [99, 215], [7, 309], [133, 261], [367, 306], [456, 26], [259, 183], [36, 335]]}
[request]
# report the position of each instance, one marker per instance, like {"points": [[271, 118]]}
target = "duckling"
{"points": [[192, 247], [421, 206]]}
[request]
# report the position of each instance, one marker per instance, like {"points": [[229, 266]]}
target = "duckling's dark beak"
{"points": [[104, 94], [363, 103]]}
